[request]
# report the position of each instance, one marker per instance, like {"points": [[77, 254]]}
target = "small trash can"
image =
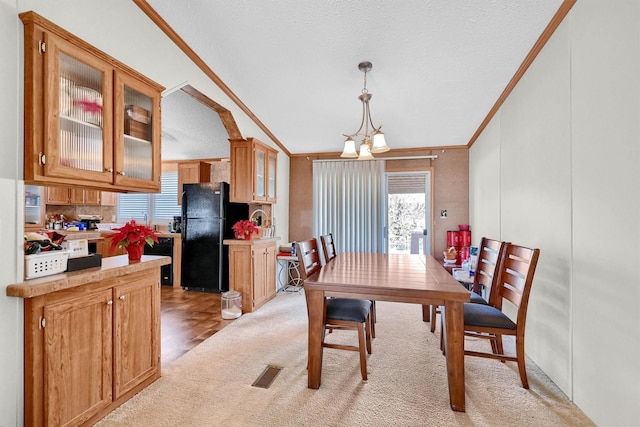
{"points": [[231, 304]]}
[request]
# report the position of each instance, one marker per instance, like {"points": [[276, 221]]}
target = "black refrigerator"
{"points": [[207, 218]]}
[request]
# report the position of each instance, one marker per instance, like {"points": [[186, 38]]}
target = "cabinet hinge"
{"points": [[42, 47], [42, 159], [43, 322]]}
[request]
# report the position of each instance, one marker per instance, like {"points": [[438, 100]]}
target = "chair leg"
{"points": [[494, 345], [363, 356], [373, 310], [521, 362], [434, 311], [499, 348], [372, 319], [442, 335], [368, 324]]}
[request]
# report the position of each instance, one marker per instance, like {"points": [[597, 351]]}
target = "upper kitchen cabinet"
{"points": [[253, 172], [72, 196], [192, 172], [90, 121]]}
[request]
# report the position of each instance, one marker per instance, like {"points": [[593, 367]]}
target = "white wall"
{"points": [[10, 169], [566, 142], [121, 30]]}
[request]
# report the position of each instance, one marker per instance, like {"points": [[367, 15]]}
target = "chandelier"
{"points": [[372, 139]]}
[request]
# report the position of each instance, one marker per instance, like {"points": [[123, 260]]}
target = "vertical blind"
{"points": [[348, 202], [158, 207]]}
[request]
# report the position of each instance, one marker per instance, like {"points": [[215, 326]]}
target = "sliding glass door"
{"points": [[408, 212]]}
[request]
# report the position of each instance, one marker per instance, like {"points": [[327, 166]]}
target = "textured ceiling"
{"points": [[439, 66], [190, 130]]}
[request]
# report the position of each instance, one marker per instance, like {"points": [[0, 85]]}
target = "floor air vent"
{"points": [[267, 376]]}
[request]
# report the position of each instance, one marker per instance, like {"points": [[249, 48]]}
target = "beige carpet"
{"points": [[211, 385]]}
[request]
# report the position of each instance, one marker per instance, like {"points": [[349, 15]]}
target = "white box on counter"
{"points": [[45, 263], [77, 248]]}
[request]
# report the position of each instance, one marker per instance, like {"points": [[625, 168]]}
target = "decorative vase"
{"points": [[135, 252]]}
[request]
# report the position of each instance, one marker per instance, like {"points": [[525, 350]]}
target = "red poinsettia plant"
{"points": [[243, 229], [133, 233]]}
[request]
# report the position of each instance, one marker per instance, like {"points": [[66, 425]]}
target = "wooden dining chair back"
{"points": [[340, 313], [328, 247], [490, 254], [308, 257], [515, 278]]}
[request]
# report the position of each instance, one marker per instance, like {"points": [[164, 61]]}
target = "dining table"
{"points": [[408, 278]]}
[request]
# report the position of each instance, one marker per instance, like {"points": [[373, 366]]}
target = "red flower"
{"points": [[245, 227], [133, 234], [89, 106]]}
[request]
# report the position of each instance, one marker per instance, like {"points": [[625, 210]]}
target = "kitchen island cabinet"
{"points": [[252, 270], [91, 339]]}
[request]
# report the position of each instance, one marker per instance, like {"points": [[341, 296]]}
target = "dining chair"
{"points": [[515, 277], [329, 250], [340, 313], [328, 247], [489, 254]]}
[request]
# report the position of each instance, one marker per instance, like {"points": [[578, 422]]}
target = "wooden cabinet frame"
{"points": [[252, 271], [253, 169], [114, 324], [43, 41]]}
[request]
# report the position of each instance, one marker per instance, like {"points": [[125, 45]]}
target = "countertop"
{"points": [[262, 241], [75, 235], [111, 267], [107, 233]]}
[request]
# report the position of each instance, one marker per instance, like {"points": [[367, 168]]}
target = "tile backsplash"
{"points": [[72, 211]]}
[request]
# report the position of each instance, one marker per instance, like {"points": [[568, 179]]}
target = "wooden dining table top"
{"points": [[412, 278]]}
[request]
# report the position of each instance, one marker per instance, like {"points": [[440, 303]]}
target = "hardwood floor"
{"points": [[188, 318]]}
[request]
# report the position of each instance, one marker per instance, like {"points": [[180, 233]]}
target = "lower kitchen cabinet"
{"points": [[77, 357], [90, 348], [252, 270]]}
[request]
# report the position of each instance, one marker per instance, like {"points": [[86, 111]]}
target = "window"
{"points": [[163, 206]]}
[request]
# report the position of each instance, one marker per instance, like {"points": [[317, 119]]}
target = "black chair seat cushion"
{"points": [[351, 310], [486, 316], [477, 299]]}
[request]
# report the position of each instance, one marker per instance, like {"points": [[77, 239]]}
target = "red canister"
{"points": [[463, 254], [465, 238], [454, 238]]}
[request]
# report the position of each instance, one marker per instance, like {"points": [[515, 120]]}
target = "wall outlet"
{"points": [[443, 213], [113, 218]]}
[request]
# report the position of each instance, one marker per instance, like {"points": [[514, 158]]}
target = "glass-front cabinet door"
{"points": [[137, 133], [260, 173], [271, 174], [78, 113]]}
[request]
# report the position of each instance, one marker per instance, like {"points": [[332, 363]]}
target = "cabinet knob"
{"points": [[121, 173], [110, 302], [110, 170], [122, 297]]}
